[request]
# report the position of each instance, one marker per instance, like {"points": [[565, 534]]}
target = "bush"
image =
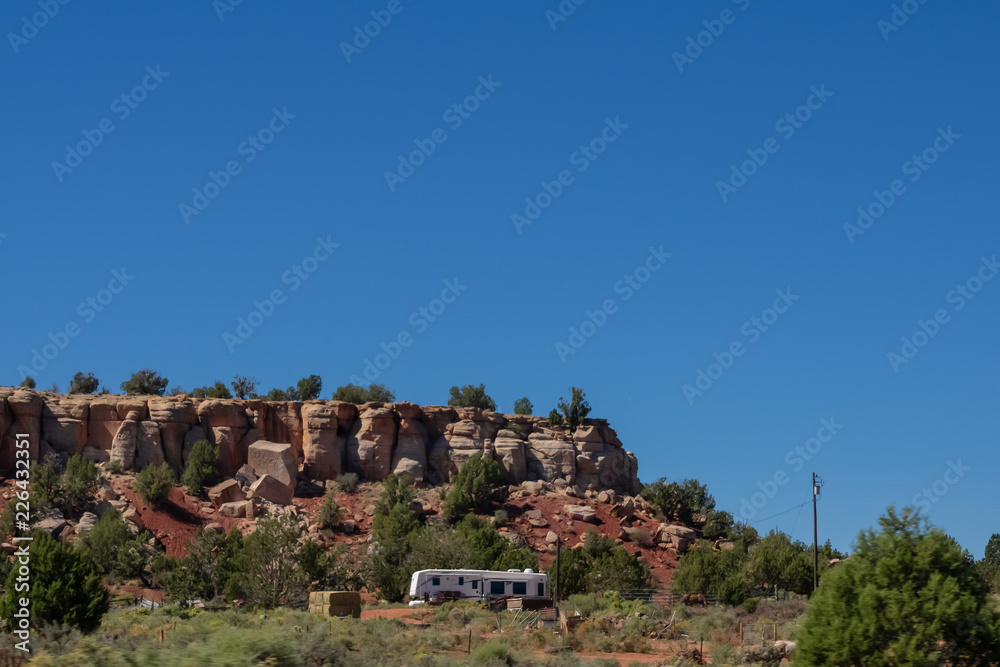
{"points": [[500, 517], [768, 656], [330, 513], [80, 481], [353, 393], [28, 382], [114, 467], [145, 382], [65, 587], [513, 426], [901, 592], [555, 419], [493, 652], [348, 482], [110, 545], [523, 406], [471, 396], [476, 488], [218, 390], [750, 605], [202, 468], [154, 483], [83, 384]]}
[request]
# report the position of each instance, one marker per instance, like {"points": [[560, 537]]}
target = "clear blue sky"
{"points": [[606, 69]]}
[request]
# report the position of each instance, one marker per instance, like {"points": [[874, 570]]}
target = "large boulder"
{"points": [[125, 443], [64, 422], [239, 509], [370, 443], [509, 452], [323, 443], [410, 454], [227, 439], [582, 513], [175, 415], [228, 491], [149, 449], [25, 417], [549, 459], [274, 459], [269, 488]]}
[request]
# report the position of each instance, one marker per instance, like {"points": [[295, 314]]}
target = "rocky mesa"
{"points": [[328, 438]]}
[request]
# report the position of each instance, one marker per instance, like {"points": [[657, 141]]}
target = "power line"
{"points": [[791, 509]]}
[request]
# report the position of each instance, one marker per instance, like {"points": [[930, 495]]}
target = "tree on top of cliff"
{"points": [[307, 389], [243, 386], [471, 396], [353, 393], [218, 390], [28, 382], [576, 410], [83, 384], [523, 406], [145, 382]]}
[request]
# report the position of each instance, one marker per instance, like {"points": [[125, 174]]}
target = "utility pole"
{"points": [[817, 482], [555, 598]]}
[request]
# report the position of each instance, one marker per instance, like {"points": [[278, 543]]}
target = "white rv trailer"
{"points": [[478, 584]]}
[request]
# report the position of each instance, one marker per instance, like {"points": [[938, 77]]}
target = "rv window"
{"points": [[520, 588], [541, 590], [461, 581], [496, 588], [475, 585], [436, 581]]}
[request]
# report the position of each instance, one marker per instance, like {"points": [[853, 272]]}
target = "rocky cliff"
{"points": [[429, 443]]}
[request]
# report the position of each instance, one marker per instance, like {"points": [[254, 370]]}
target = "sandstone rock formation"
{"points": [[321, 439]]}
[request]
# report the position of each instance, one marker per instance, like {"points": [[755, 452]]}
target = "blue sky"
{"points": [[641, 139]]}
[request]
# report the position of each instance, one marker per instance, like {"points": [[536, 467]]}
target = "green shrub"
{"points": [[65, 587], [514, 427], [493, 652], [145, 382], [523, 406], [555, 419], [113, 549], [750, 605], [218, 390], [723, 654], [500, 517], [80, 481], [348, 482], [83, 384], [768, 656], [202, 468], [471, 396], [114, 467], [356, 394], [154, 483], [476, 488], [330, 513]]}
